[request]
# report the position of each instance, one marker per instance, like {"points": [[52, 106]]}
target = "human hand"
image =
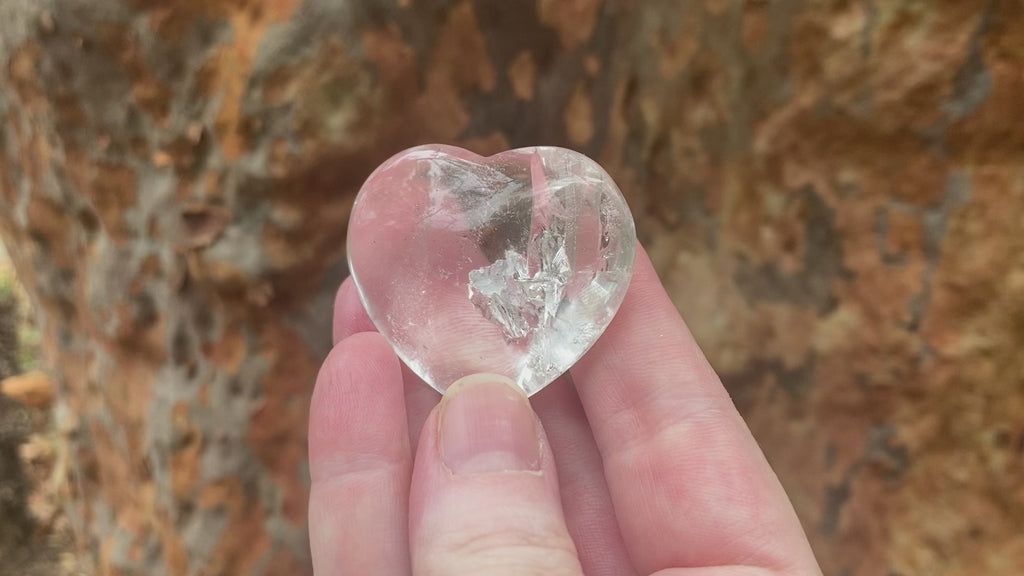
{"points": [[638, 464]]}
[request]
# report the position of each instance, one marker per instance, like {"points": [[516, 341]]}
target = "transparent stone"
{"points": [[512, 264]]}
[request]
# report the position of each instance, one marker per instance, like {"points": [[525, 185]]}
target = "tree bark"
{"points": [[832, 192], [15, 424]]}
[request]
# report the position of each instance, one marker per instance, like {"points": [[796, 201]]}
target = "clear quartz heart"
{"points": [[512, 264]]}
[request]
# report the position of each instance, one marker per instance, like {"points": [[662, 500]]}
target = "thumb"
{"points": [[484, 491]]}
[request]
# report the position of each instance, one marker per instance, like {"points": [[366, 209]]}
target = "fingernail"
{"points": [[487, 425]]}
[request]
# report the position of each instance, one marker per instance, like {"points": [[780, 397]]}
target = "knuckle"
{"points": [[505, 552]]}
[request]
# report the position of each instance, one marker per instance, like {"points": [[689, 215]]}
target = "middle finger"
{"points": [[585, 497]]}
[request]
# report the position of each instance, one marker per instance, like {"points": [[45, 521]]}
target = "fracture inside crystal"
{"points": [[518, 301]]}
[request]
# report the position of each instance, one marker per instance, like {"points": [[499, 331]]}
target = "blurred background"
{"points": [[832, 191]]}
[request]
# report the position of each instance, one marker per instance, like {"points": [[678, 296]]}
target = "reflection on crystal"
{"points": [[539, 239]]}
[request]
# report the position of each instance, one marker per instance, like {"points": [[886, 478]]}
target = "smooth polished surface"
{"points": [[512, 264]]}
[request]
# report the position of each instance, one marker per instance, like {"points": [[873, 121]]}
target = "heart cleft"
{"points": [[512, 264]]}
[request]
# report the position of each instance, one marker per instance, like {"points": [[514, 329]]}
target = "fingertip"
{"points": [[645, 288], [487, 425], [350, 315], [485, 496], [357, 407]]}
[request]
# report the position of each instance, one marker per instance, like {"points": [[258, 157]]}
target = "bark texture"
{"points": [[833, 192]]}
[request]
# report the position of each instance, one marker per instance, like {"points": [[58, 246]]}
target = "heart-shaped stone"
{"points": [[512, 264]]}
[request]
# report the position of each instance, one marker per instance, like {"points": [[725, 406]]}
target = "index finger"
{"points": [[688, 482]]}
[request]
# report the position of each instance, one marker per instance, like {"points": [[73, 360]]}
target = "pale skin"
{"points": [[637, 463]]}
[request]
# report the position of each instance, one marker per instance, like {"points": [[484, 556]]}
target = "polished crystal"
{"points": [[512, 264]]}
